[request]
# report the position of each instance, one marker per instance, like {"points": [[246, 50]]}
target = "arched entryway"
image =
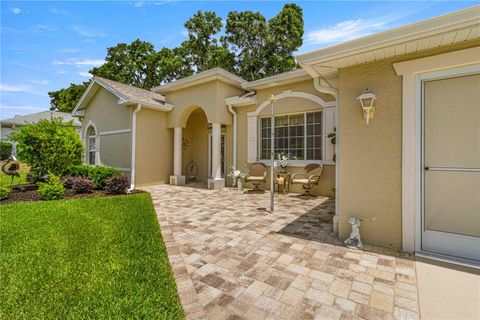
{"points": [[195, 147], [199, 150]]}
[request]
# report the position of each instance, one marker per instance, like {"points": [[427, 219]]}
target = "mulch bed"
{"points": [[32, 195]]}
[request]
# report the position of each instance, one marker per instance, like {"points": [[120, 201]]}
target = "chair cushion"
{"points": [[300, 181], [255, 178]]}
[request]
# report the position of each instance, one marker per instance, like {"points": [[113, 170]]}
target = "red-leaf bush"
{"points": [[118, 184], [82, 185], [68, 181]]}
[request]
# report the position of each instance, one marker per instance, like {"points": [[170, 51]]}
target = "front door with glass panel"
{"points": [[223, 151], [451, 167]]}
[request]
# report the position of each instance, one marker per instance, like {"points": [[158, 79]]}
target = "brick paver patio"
{"points": [[233, 260]]}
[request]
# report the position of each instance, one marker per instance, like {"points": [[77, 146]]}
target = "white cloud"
{"points": [[80, 62], [59, 11], [344, 31], [15, 10], [85, 74], [61, 72], [19, 88], [185, 33], [69, 50], [353, 29], [44, 28], [13, 87], [21, 107], [88, 32], [139, 4], [41, 82]]}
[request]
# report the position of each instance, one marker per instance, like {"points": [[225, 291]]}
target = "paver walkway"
{"points": [[233, 260]]}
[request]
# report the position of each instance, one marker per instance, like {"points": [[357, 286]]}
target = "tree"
{"points": [[246, 34], [202, 47], [66, 99], [135, 64], [285, 36], [48, 146], [264, 48]]}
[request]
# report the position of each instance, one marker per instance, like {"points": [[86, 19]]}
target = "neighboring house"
{"points": [[412, 173], [7, 125]]}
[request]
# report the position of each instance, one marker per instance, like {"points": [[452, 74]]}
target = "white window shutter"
{"points": [[329, 125], [252, 139]]}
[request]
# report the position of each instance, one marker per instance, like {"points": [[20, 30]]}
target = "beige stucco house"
{"points": [[412, 171]]}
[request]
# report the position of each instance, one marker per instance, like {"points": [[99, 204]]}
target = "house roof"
{"points": [[202, 77], [125, 93], [440, 31], [34, 117]]}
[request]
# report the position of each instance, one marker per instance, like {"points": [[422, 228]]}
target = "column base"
{"points": [[214, 184], [177, 180], [335, 224]]}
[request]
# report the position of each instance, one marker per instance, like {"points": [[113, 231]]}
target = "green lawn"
{"points": [[91, 258], [6, 180]]}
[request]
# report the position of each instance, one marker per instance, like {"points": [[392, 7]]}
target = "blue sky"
{"points": [[46, 46]]}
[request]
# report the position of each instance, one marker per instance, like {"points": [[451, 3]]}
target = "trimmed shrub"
{"points": [[82, 185], [99, 175], [4, 192], [5, 150], [48, 146], [68, 181], [117, 184], [81, 170], [53, 189]]}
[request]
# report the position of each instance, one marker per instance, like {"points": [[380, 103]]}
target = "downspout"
{"points": [[334, 93], [234, 113], [134, 149]]}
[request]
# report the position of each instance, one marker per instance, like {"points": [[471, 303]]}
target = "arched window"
{"points": [[92, 146]]}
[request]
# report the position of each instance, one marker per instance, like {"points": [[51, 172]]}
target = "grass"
{"points": [[92, 258], [6, 180]]}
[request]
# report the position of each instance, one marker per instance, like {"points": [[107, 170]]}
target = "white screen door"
{"points": [[451, 167]]}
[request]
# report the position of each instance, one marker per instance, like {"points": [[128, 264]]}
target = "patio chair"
{"points": [[309, 178], [257, 174]]}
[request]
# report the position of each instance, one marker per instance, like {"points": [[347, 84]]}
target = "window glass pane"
{"points": [[91, 158], [314, 136], [91, 144], [290, 131]]}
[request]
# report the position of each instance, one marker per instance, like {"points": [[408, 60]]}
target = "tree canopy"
{"points": [[247, 44]]}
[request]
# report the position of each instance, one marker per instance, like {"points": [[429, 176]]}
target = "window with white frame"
{"points": [[92, 147], [299, 135]]}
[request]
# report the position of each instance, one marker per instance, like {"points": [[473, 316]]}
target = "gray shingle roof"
{"points": [[133, 93], [34, 117]]}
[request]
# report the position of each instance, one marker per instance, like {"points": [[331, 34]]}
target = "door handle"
{"points": [[452, 169]]}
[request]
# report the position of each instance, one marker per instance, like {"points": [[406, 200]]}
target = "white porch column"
{"points": [[216, 182], [177, 178]]}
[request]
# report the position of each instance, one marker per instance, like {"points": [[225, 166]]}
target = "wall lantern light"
{"points": [[366, 100]]}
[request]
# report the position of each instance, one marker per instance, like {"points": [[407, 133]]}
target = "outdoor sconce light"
{"points": [[366, 99]]}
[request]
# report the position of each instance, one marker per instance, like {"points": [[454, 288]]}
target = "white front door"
{"points": [[451, 167], [223, 151]]}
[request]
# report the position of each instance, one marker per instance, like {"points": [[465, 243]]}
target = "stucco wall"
{"points": [[107, 115], [154, 148], [370, 157], [282, 106], [210, 96]]}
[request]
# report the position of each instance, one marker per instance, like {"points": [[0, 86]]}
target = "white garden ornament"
{"points": [[354, 238]]}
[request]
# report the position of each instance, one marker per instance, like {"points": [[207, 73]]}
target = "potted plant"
{"points": [[282, 161], [238, 177]]}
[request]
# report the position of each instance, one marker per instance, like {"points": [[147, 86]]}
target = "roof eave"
{"points": [[199, 78], [280, 79]]}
